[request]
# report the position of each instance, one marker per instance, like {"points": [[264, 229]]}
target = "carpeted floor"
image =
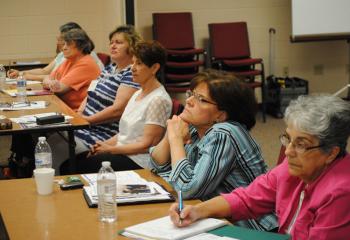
{"points": [[266, 134]]}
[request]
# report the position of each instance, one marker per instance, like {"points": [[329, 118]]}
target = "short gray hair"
{"points": [[81, 39], [325, 116]]}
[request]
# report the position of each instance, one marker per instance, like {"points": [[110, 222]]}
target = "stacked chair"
{"points": [[229, 49], [177, 107], [175, 32], [105, 58]]}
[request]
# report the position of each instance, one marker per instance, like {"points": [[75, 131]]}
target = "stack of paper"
{"points": [[131, 188], [29, 121], [22, 63]]}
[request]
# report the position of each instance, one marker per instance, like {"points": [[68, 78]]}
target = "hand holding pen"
{"points": [[181, 215], [181, 206]]}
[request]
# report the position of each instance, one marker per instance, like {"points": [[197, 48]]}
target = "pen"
{"points": [[181, 206]]}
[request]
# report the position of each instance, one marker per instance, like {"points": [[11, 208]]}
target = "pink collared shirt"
{"points": [[324, 211]]}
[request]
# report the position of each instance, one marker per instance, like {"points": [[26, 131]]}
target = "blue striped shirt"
{"points": [[103, 96], [225, 158]]}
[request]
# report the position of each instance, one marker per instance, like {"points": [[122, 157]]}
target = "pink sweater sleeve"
{"points": [[257, 199]]}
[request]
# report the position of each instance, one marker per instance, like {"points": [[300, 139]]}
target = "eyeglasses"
{"points": [[299, 147], [199, 98]]}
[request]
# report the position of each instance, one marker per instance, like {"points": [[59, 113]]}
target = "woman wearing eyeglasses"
{"points": [[207, 149], [310, 190]]}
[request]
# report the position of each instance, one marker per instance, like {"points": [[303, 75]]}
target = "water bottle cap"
{"points": [[106, 164], [42, 139]]}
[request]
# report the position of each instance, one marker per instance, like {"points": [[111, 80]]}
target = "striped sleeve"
{"points": [[162, 170], [214, 162]]}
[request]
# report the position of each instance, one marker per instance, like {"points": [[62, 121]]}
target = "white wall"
{"points": [[28, 28]]}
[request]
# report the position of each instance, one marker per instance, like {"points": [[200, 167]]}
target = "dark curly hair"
{"points": [[231, 95]]}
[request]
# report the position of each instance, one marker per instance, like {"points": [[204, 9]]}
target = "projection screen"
{"points": [[316, 20]]}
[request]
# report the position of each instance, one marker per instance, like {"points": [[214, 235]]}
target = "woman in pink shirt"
{"points": [[310, 190]]}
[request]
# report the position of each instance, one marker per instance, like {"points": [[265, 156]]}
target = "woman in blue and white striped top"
{"points": [[207, 149], [108, 97]]}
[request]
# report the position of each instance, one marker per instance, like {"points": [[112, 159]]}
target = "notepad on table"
{"points": [[164, 229]]}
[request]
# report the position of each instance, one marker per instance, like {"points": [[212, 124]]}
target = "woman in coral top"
{"points": [[310, 190], [72, 78]]}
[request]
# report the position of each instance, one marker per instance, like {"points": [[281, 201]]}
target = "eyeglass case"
{"points": [[50, 119]]}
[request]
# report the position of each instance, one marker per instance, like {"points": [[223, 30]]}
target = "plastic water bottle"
{"points": [[107, 190], [21, 87], [2, 76], [43, 154]]}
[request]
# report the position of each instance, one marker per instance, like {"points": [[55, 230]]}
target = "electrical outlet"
{"points": [[286, 71], [318, 69]]}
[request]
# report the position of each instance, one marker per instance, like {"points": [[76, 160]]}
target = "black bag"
{"points": [[280, 91], [21, 160]]}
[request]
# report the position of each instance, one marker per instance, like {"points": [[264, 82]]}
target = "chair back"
{"points": [[177, 107], [173, 30], [105, 58], [229, 40]]}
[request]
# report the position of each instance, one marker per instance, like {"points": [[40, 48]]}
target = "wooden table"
{"points": [[65, 214], [55, 105]]}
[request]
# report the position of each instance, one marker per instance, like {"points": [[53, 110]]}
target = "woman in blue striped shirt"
{"points": [[207, 149], [108, 97]]}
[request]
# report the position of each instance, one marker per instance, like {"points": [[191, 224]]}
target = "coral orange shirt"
{"points": [[76, 74]]}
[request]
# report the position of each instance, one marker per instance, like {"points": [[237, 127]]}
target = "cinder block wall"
{"points": [[28, 28], [324, 64]]}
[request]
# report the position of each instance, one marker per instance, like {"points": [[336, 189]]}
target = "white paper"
{"points": [[14, 81], [127, 178], [27, 63], [209, 236], [32, 118], [164, 229], [202, 236]]}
